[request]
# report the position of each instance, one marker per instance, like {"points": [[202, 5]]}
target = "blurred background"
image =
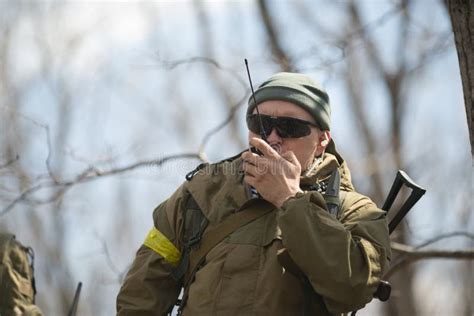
{"points": [[106, 105]]}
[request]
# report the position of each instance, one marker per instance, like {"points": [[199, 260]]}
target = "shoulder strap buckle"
{"points": [[331, 196], [192, 173]]}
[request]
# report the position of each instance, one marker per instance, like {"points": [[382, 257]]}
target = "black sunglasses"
{"points": [[286, 127]]}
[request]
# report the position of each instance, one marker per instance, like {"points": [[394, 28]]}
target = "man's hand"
{"points": [[276, 177]]}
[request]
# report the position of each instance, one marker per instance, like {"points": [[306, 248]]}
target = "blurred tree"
{"points": [[54, 98], [462, 19]]}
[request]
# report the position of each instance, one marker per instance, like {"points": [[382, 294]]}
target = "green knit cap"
{"points": [[298, 89]]}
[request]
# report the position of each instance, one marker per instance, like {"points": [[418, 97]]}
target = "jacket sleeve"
{"points": [[148, 288], [343, 259]]}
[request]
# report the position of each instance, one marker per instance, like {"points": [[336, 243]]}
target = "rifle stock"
{"points": [[384, 288]]}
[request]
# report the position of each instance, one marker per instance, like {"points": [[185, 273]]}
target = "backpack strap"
{"points": [[215, 234], [194, 226]]}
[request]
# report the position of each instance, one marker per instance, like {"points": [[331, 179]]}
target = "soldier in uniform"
{"points": [[315, 247]]}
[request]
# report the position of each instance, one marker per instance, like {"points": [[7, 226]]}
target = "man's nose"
{"points": [[273, 137]]}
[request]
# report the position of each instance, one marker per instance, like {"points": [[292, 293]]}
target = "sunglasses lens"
{"points": [[253, 123], [292, 128], [286, 127]]}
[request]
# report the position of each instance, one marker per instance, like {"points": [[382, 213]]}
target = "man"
{"points": [[308, 251]]}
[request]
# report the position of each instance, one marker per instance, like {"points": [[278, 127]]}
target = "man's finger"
{"points": [[256, 168], [291, 157], [265, 148], [250, 157], [250, 180], [249, 169]]}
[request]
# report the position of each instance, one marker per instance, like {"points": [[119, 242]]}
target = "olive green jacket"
{"points": [[343, 258], [17, 282]]}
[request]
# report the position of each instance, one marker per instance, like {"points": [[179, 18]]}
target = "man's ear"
{"points": [[324, 139]]}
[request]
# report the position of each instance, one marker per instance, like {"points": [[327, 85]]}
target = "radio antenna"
{"points": [[263, 135]]}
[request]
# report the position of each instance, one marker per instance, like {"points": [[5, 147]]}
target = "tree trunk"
{"points": [[462, 20]]}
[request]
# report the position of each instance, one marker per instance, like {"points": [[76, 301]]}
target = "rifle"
{"points": [[384, 289], [73, 309]]}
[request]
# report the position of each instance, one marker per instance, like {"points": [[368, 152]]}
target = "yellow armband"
{"points": [[158, 242]]}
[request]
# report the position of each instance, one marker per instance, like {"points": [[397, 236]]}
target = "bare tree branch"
{"points": [[171, 64], [344, 41], [392, 80], [48, 159], [281, 57], [91, 174], [47, 134], [355, 87], [411, 256], [220, 126], [399, 247], [9, 162], [221, 86], [445, 236], [110, 263]]}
